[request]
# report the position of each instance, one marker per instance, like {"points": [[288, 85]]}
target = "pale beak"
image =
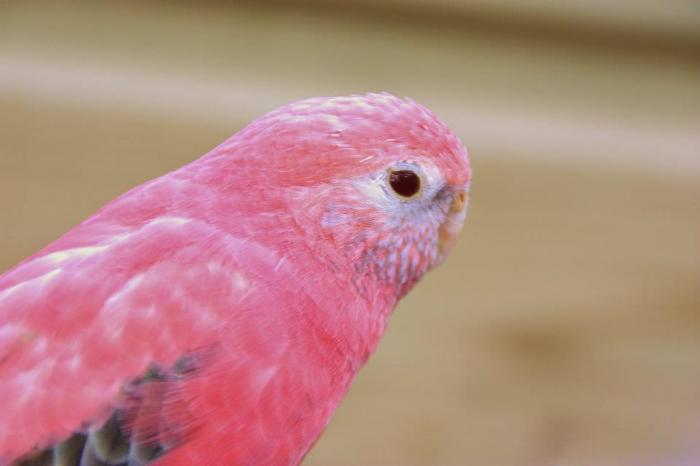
{"points": [[453, 223]]}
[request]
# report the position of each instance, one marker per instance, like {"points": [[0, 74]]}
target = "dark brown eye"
{"points": [[405, 183]]}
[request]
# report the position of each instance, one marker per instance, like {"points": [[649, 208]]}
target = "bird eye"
{"points": [[405, 183]]}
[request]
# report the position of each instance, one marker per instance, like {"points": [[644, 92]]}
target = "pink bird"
{"points": [[218, 314]]}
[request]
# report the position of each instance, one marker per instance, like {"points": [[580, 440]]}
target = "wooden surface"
{"points": [[565, 328]]}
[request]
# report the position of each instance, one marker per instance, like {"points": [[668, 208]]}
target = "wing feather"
{"points": [[77, 324]]}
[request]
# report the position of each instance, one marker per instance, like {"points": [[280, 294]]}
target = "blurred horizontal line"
{"points": [[555, 30], [492, 132]]}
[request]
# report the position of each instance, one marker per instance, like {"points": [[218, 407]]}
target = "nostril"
{"points": [[463, 197], [459, 201]]}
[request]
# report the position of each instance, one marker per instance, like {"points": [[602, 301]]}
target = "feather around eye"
{"points": [[405, 183]]}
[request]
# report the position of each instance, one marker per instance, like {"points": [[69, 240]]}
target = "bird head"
{"points": [[374, 182]]}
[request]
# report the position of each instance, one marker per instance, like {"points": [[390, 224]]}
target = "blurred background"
{"points": [[564, 329]]}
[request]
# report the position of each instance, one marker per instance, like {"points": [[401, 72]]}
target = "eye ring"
{"points": [[405, 183]]}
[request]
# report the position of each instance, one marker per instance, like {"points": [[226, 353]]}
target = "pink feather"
{"points": [[232, 260]]}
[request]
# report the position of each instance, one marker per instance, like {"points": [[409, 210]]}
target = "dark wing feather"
{"points": [[131, 436]]}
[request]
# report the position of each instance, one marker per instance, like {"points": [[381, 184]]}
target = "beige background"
{"points": [[563, 330]]}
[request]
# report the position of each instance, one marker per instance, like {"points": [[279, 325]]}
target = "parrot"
{"points": [[218, 314]]}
